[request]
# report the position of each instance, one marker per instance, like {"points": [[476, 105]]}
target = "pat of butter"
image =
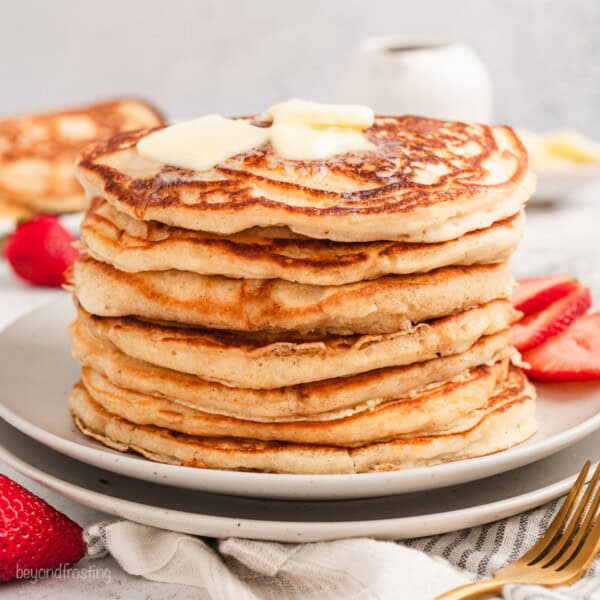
{"points": [[202, 143], [299, 142], [573, 146], [317, 115], [300, 130]]}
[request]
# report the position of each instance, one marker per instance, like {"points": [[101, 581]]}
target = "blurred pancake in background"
{"points": [[13, 210], [37, 153]]}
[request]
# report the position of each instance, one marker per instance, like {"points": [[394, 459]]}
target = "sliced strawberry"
{"points": [[538, 327], [535, 294], [573, 355]]}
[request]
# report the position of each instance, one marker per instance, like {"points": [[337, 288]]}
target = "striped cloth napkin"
{"points": [[354, 569]]}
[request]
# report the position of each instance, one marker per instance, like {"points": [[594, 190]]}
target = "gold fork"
{"points": [[562, 555]]}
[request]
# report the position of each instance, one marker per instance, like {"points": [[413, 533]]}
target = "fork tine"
{"points": [[557, 523], [577, 525], [585, 556], [589, 523]]}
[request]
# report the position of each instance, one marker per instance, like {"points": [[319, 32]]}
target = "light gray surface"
{"points": [[236, 56]]}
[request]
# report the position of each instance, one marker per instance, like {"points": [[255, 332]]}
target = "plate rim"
{"points": [[314, 486], [312, 531]]}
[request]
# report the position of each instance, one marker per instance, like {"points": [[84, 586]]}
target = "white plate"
{"points": [[557, 184], [37, 372], [393, 517]]}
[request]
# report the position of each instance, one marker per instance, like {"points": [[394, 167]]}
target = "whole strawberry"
{"points": [[33, 535], [40, 251]]}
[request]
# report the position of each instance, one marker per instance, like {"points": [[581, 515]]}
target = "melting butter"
{"points": [[202, 143], [312, 114], [304, 130], [299, 142], [299, 130]]}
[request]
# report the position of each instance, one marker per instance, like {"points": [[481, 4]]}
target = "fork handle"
{"points": [[474, 590]]}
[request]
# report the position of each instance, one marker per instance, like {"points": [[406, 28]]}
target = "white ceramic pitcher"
{"points": [[403, 75]]}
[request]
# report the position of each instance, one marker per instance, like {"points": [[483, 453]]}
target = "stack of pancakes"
{"points": [[37, 153], [331, 316]]}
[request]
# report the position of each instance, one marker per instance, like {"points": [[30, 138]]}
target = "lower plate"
{"points": [[393, 517], [37, 372]]}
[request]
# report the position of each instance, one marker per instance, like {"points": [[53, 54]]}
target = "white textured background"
{"points": [[234, 56]]}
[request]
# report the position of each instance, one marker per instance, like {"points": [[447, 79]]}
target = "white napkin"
{"points": [[251, 570], [354, 569]]}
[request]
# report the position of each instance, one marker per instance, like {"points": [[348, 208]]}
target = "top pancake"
{"points": [[37, 151], [427, 181]]}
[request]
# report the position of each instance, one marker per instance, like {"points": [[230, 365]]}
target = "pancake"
{"points": [[451, 406], [262, 361], [13, 210], [508, 419], [426, 181], [385, 305], [132, 245], [322, 399], [37, 151]]}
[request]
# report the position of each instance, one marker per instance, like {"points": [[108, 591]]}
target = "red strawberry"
{"points": [[40, 251], [573, 355], [535, 294], [33, 535], [538, 327]]}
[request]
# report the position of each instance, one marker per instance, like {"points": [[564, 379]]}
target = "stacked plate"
{"points": [[36, 374]]}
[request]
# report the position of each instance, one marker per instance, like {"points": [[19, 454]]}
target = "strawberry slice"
{"points": [[538, 327], [573, 355], [535, 294]]}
